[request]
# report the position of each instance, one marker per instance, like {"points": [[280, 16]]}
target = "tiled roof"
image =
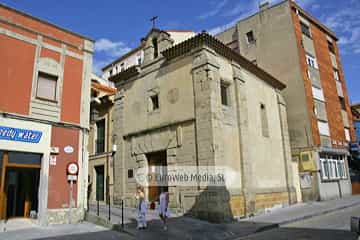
{"points": [[223, 50]]}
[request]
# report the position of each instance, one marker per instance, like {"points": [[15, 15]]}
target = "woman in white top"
{"points": [[142, 208], [163, 208]]}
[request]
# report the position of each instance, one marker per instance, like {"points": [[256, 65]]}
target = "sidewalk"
{"points": [[179, 227], [303, 211], [25, 229], [182, 227]]}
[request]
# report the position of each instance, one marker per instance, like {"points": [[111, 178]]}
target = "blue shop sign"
{"points": [[20, 135]]}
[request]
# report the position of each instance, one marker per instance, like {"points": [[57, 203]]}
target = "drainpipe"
{"points": [[284, 151], [107, 164]]}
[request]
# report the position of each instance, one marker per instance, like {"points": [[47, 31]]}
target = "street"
{"points": [[334, 225]]}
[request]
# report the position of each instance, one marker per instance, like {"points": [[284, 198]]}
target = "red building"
{"points": [[44, 117]]}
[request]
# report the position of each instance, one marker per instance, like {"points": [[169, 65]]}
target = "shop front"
{"points": [[24, 146]]}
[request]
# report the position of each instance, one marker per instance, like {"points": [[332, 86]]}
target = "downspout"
{"points": [[240, 142], [107, 158], [284, 151], [195, 133]]}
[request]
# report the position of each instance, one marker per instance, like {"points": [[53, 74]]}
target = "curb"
{"points": [[326, 211], [277, 225]]}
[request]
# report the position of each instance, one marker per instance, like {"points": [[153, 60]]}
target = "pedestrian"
{"points": [[164, 206], [142, 208]]}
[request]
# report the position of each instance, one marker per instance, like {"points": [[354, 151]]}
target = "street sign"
{"points": [[72, 178], [72, 168]]}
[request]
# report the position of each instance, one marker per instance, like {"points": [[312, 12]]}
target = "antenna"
{"points": [[153, 20]]}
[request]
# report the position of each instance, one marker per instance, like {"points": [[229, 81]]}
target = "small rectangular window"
{"points": [[250, 37], [130, 173], [100, 140], [342, 103], [154, 102], [264, 121], [224, 88], [305, 29], [46, 86], [331, 47]]}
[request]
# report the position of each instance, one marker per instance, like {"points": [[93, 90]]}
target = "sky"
{"points": [[118, 25]]}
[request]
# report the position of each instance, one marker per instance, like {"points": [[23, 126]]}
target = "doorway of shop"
{"points": [[158, 170], [21, 189]]}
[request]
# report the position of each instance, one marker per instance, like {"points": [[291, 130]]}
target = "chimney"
{"points": [[264, 5]]}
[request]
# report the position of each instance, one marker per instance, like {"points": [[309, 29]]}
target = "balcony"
{"points": [[320, 110], [314, 76], [325, 141], [318, 94]]}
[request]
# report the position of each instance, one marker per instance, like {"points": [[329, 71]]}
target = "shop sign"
{"points": [[20, 135]]}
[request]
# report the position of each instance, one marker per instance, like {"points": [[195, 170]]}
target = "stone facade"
{"points": [[195, 128]]}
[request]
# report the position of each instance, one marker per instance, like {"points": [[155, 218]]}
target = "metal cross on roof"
{"points": [[153, 19]]}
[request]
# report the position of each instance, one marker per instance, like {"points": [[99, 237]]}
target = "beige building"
{"points": [[200, 104], [100, 141], [300, 51]]}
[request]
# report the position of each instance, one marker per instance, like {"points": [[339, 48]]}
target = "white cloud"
{"points": [[99, 64], [219, 29], [110, 48], [346, 23], [237, 9], [213, 12], [247, 11]]}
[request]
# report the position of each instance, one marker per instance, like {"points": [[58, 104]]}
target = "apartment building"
{"points": [[44, 118], [100, 141], [199, 105], [136, 55], [300, 51]]}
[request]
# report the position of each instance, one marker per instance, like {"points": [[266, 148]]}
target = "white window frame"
{"points": [[311, 61], [347, 134], [323, 171], [333, 168], [336, 75]]}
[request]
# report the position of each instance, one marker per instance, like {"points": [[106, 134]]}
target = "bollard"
{"points": [[122, 213], [109, 211], [355, 225], [98, 207]]}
